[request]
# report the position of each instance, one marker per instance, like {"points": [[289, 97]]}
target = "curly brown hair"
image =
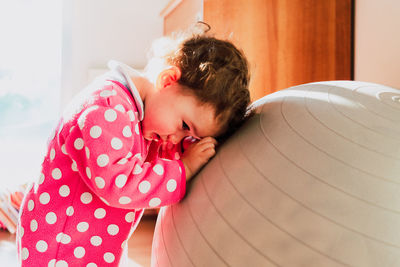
{"points": [[216, 72]]}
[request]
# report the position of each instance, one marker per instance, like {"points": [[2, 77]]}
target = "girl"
{"points": [[130, 141]]}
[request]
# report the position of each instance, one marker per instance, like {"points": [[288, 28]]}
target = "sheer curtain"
{"points": [[30, 71]]}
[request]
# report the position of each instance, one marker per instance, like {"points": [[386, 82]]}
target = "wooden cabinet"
{"points": [[287, 42]]}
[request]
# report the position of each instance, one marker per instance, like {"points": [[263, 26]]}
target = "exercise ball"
{"points": [[312, 179]]}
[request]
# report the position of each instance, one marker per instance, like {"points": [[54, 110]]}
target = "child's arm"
{"points": [[107, 150], [194, 153]]}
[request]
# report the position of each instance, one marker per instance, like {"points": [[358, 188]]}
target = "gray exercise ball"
{"points": [[313, 179]]}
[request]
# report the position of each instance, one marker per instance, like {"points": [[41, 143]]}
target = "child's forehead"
{"points": [[202, 114], [206, 124]]}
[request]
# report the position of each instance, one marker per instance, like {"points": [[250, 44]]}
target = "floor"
{"points": [[139, 245]]}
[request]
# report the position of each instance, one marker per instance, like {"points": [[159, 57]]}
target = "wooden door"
{"points": [[287, 42]]}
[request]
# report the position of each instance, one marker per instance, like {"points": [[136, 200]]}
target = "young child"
{"points": [[128, 142]]}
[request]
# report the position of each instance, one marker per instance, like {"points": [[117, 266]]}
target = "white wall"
{"points": [[377, 42], [95, 31]]}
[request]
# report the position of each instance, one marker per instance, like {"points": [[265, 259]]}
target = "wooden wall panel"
{"points": [[184, 15], [287, 42]]}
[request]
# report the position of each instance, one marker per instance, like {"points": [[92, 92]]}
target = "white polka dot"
{"points": [[95, 131], [96, 240], [74, 167], [86, 198], [120, 181], [78, 144], [90, 109], [52, 263], [59, 236], [64, 191], [180, 169], [100, 213], [122, 161], [63, 149], [79, 252], [124, 200], [34, 225], [41, 178], [177, 156], [106, 93], [154, 202], [88, 173], [56, 173], [123, 244], [91, 264], [63, 238], [61, 264], [82, 120], [129, 155], [113, 229], [21, 231], [158, 169], [66, 239], [51, 218], [70, 211], [102, 160], [82, 227], [138, 169], [44, 198], [171, 185], [144, 187], [120, 108], [116, 143], [110, 115], [129, 217], [137, 128], [100, 182], [127, 132], [31, 205], [109, 257], [41, 246], [87, 152], [131, 115], [24, 253], [52, 154]]}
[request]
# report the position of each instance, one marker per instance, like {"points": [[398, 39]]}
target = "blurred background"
{"points": [[49, 50]]}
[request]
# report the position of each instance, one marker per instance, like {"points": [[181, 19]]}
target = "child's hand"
{"points": [[198, 154]]}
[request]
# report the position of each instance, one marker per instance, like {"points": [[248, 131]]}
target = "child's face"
{"points": [[171, 115]]}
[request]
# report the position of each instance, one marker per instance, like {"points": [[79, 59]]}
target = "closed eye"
{"points": [[185, 126]]}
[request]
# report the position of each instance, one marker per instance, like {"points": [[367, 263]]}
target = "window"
{"points": [[30, 71]]}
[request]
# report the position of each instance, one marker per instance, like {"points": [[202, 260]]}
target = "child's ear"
{"points": [[168, 76]]}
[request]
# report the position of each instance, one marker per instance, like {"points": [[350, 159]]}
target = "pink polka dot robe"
{"points": [[95, 180]]}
